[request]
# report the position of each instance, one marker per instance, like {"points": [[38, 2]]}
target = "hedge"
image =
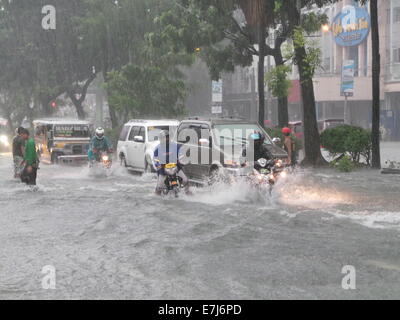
{"points": [[348, 140]]}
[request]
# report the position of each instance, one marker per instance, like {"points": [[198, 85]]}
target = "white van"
{"points": [[139, 139]]}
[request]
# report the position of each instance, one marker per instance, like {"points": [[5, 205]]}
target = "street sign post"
{"points": [[216, 103], [347, 86]]}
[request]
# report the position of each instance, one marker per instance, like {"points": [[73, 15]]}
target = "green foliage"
{"points": [[344, 164], [312, 59], [278, 82], [209, 25], [113, 135], [145, 91], [348, 140]]}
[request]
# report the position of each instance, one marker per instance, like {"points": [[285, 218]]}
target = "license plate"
{"points": [[264, 171]]}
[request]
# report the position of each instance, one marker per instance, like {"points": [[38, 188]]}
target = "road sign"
{"points": [[351, 26], [216, 109], [217, 91], [347, 85]]}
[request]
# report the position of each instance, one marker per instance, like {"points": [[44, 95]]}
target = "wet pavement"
{"points": [[113, 238]]}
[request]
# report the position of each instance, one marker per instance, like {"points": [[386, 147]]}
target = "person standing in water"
{"points": [[289, 146], [18, 147], [31, 160]]}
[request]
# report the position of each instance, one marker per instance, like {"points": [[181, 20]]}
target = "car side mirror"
{"points": [[204, 142], [276, 140], [138, 139]]}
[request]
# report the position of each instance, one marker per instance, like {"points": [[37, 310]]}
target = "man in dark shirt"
{"points": [[256, 141], [18, 153]]}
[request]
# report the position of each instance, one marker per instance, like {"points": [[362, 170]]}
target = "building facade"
{"points": [[240, 88]]}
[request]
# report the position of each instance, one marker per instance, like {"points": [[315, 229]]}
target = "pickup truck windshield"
{"points": [[236, 134], [71, 131]]}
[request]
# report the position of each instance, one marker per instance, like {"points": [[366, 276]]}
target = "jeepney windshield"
{"points": [[71, 131]]}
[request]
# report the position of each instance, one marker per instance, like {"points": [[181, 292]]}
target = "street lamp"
{"points": [[326, 28]]}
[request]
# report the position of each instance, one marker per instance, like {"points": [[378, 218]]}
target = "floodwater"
{"points": [[112, 238]]}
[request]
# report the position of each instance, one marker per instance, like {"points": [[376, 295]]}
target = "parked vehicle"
{"points": [[139, 139], [219, 147], [62, 141], [329, 124]]}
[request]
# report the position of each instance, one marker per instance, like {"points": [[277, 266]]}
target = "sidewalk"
{"points": [[390, 151]]}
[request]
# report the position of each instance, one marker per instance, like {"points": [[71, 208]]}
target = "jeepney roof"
{"points": [[60, 122]]}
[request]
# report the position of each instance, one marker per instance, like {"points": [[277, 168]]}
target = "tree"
{"points": [[54, 61], [376, 71], [145, 91], [279, 85], [305, 61]]}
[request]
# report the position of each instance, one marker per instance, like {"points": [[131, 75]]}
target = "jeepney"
{"points": [[62, 141]]}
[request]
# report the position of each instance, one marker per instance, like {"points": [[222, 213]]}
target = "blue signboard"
{"points": [[347, 85], [351, 26]]}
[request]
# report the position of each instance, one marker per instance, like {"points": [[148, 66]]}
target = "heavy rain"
{"points": [[139, 158]]}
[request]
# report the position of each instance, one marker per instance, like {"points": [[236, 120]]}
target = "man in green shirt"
{"points": [[31, 160]]}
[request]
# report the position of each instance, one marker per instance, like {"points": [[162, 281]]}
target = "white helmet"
{"points": [[100, 133]]}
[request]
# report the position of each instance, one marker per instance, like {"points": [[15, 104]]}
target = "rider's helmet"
{"points": [[258, 138], [99, 133], [163, 136], [286, 131]]}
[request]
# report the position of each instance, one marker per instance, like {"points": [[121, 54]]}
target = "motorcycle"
{"points": [[106, 160], [101, 166], [173, 183], [266, 173]]}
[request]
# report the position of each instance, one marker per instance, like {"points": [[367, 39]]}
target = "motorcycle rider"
{"points": [[98, 144], [289, 146], [167, 152], [256, 140]]}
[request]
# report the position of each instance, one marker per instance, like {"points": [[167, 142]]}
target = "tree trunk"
{"points": [[376, 72], [78, 103], [312, 143], [78, 106], [261, 73], [45, 103], [283, 112]]}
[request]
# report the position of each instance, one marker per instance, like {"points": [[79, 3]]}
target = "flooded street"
{"points": [[113, 238]]}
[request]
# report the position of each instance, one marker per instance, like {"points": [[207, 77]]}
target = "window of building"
{"points": [[353, 55], [396, 55], [396, 15]]}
